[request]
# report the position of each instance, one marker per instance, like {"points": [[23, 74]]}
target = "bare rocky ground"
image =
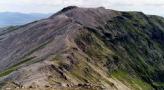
{"points": [[83, 49]]}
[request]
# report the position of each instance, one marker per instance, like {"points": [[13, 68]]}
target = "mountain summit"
{"points": [[84, 49]]}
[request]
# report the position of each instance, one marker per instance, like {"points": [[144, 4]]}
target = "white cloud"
{"points": [[46, 6]]}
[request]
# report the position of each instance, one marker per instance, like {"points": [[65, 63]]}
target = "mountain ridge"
{"points": [[85, 48]]}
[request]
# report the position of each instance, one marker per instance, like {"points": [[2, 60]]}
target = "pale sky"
{"points": [[51, 6]]}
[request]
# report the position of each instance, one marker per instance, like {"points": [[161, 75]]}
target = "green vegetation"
{"points": [[8, 71], [14, 67], [158, 84], [95, 48], [98, 51], [131, 80]]}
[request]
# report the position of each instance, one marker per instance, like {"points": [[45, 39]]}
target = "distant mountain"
{"points": [[14, 18]]}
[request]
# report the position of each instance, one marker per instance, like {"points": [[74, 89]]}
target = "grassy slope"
{"points": [[103, 56], [14, 67], [132, 43]]}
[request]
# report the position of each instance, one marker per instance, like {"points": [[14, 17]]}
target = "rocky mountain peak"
{"points": [[84, 48], [88, 16]]}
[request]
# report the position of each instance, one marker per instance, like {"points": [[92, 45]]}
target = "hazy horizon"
{"points": [[43, 6]]}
